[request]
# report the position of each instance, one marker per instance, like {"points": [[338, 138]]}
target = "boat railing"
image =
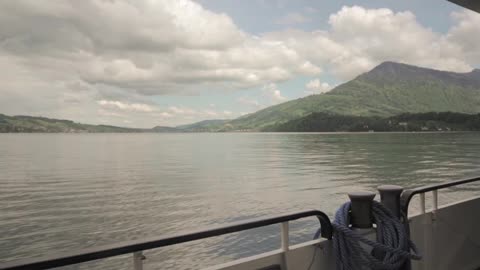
{"points": [[136, 247], [408, 194]]}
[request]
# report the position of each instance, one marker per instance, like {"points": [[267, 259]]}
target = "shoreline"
{"points": [[260, 132]]}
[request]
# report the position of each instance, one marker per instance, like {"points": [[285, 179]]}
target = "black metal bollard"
{"points": [[390, 198], [361, 210]]}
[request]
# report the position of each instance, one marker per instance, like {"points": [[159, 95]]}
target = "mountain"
{"points": [[388, 89], [202, 126], [42, 124]]}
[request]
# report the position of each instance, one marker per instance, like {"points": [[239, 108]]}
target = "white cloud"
{"points": [[182, 113], [108, 113], [360, 38], [371, 36], [181, 110], [466, 34], [249, 102], [163, 47], [271, 92], [315, 86], [61, 63], [311, 10], [172, 46], [210, 113], [166, 115], [136, 107], [271, 95], [308, 68], [171, 115], [293, 18]]}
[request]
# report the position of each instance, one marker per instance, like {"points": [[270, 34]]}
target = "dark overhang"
{"points": [[470, 4]]}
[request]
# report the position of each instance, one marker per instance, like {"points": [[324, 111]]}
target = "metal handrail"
{"points": [[96, 253], [409, 193]]}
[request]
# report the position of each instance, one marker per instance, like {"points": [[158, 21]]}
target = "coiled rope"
{"points": [[394, 242]]}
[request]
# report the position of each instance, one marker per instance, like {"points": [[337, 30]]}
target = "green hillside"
{"points": [[389, 89], [32, 124], [48, 125]]}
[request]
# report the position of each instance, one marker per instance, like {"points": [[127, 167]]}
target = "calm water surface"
{"points": [[61, 192]]}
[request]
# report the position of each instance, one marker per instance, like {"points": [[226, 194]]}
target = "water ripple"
{"points": [[61, 192]]}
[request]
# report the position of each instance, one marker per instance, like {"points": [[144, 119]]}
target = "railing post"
{"points": [[284, 236], [422, 203], [435, 200], [138, 260], [285, 242]]}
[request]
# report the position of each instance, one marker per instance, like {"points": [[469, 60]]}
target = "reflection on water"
{"points": [[68, 191]]}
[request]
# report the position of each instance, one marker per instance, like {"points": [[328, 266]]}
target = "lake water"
{"points": [[61, 192]]}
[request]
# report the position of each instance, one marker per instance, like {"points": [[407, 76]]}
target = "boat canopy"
{"points": [[470, 4]]}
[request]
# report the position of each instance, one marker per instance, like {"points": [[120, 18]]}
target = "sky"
{"points": [[144, 63]]}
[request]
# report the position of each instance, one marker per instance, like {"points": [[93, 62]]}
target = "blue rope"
{"points": [[393, 238]]}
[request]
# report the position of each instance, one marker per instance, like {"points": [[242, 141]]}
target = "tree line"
{"points": [[430, 121]]}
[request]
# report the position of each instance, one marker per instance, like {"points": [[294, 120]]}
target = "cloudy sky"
{"points": [[142, 63]]}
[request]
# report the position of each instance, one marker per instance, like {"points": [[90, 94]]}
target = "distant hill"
{"points": [[203, 126], [165, 129], [388, 89], [48, 125], [32, 124]]}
